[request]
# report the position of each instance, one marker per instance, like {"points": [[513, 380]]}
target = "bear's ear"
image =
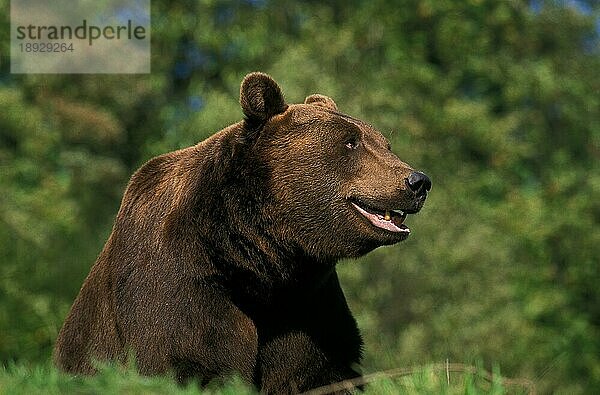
{"points": [[320, 100], [261, 97]]}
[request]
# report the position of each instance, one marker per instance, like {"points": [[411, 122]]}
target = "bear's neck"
{"points": [[230, 227], [252, 258]]}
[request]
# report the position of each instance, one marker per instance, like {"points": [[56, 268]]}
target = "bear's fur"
{"points": [[222, 256]]}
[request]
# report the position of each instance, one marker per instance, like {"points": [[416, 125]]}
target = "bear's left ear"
{"points": [[261, 97], [320, 100]]}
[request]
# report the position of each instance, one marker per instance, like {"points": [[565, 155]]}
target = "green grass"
{"points": [[441, 380], [44, 379]]}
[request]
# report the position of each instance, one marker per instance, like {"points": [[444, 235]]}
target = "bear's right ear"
{"points": [[261, 97], [321, 100]]}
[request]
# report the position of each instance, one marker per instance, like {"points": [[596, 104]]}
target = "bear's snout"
{"points": [[419, 183]]}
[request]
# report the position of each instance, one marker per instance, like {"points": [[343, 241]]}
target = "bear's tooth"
{"points": [[387, 215]]}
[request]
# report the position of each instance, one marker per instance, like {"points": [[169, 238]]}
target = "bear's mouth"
{"points": [[390, 220]]}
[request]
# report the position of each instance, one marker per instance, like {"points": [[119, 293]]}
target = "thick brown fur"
{"points": [[222, 256]]}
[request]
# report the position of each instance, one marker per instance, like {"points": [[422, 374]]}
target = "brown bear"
{"points": [[222, 256]]}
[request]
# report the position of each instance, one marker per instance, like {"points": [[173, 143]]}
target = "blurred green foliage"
{"points": [[497, 101]]}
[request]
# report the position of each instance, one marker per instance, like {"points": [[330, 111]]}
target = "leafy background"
{"points": [[497, 101]]}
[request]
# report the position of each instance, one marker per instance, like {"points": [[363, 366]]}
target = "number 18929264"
{"points": [[46, 47]]}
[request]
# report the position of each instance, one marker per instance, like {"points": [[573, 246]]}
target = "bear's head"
{"points": [[335, 187]]}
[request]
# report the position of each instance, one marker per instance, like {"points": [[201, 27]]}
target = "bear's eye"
{"points": [[352, 143]]}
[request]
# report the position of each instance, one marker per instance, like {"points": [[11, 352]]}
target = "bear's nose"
{"points": [[418, 182]]}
